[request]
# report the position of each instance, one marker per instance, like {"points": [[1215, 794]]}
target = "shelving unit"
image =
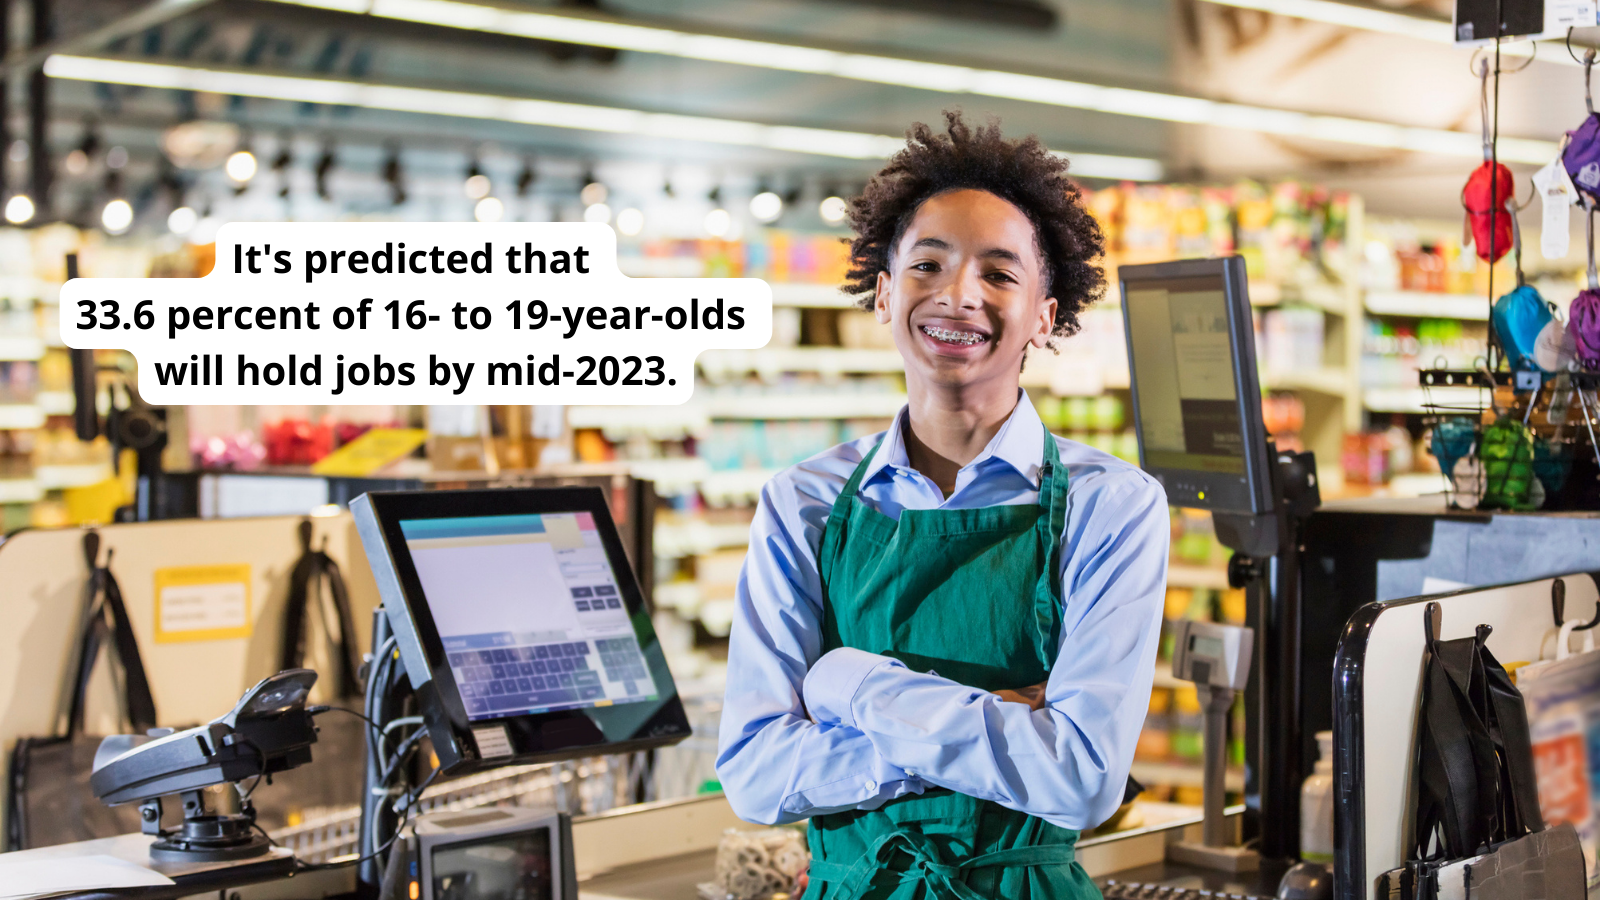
{"points": [[1425, 305]]}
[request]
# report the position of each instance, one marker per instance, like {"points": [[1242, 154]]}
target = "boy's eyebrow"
{"points": [[932, 242], [992, 253]]}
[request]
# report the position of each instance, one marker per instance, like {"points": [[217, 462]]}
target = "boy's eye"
{"points": [[926, 266]]}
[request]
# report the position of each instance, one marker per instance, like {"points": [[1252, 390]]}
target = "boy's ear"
{"points": [[880, 300], [1047, 323]]}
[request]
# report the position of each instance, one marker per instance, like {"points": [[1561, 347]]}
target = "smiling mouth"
{"points": [[954, 337]]}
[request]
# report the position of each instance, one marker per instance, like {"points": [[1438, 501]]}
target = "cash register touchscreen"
{"points": [[520, 624], [529, 612]]}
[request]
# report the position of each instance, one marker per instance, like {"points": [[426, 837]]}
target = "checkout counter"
{"points": [[581, 674]]}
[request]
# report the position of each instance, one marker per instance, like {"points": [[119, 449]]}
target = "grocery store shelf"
{"points": [[20, 490], [660, 422], [54, 477], [777, 360], [15, 347], [1420, 304], [25, 287], [1324, 380], [1323, 295], [734, 486], [20, 415], [1413, 400], [805, 406], [693, 538], [666, 422], [1181, 774], [55, 403], [819, 296], [1215, 579]]}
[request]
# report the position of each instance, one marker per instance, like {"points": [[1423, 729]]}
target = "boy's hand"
{"points": [[1033, 695]]}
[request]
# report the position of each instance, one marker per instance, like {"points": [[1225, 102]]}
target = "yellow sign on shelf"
{"points": [[370, 452], [202, 603]]}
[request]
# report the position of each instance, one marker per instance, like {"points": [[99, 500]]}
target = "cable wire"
{"points": [[411, 800]]}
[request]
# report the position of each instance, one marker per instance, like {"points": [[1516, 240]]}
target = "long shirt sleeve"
{"points": [[775, 763], [804, 733]]}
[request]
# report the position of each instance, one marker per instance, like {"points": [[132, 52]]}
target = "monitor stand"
{"points": [[1266, 561]]}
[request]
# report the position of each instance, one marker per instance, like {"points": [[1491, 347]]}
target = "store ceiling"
{"points": [[1176, 46]]}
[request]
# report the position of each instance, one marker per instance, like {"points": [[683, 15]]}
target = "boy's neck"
{"points": [[949, 425]]}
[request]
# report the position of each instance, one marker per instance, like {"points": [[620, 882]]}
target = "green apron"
{"points": [[973, 594]]}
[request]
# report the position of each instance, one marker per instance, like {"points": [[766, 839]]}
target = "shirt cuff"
{"points": [[832, 683], [868, 782]]}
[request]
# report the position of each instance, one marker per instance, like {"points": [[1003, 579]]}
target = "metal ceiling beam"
{"points": [[21, 63], [920, 72]]}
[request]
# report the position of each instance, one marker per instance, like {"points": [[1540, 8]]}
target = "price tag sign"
{"points": [[370, 452], [202, 603]]}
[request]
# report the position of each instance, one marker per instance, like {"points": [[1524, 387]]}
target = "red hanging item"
{"points": [[1475, 197]]}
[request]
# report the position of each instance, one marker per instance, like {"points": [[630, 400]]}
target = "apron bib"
{"points": [[974, 595]]}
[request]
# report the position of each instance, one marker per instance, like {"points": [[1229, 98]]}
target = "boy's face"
{"points": [[964, 295]]}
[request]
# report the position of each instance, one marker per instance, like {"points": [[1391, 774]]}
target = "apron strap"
{"points": [[1047, 598], [833, 533], [929, 866]]}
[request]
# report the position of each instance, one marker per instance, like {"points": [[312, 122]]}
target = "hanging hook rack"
{"points": [[1558, 607], [1432, 622]]}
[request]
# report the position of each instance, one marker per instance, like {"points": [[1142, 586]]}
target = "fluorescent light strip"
{"points": [[1366, 18], [796, 139], [950, 78]]}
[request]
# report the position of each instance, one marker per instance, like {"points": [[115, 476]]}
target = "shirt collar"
{"points": [[1019, 444]]}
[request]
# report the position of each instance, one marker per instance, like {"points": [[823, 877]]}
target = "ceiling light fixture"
{"points": [[241, 166], [394, 175], [832, 210], [597, 212], [19, 209], [766, 206], [335, 92], [117, 216], [182, 220], [718, 222], [630, 221], [325, 164], [526, 177], [488, 209], [933, 76]]}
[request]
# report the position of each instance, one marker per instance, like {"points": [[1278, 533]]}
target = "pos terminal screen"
{"points": [[529, 612], [1188, 399]]}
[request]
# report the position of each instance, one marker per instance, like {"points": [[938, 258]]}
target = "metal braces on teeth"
{"points": [[955, 337]]}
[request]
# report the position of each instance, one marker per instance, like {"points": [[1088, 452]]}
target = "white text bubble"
{"points": [[391, 313]]}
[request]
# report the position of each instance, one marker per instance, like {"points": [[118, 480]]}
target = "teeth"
{"points": [[954, 337]]}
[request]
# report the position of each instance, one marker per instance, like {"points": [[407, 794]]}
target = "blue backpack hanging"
{"points": [[1529, 332]]}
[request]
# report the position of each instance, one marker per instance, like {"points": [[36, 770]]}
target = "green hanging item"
{"points": [[1506, 452]]}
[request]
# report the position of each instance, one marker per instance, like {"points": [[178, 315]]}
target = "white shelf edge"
{"points": [[1425, 305]]}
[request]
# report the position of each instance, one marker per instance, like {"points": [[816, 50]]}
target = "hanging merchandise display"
{"points": [[1488, 190], [1514, 448], [1526, 324]]}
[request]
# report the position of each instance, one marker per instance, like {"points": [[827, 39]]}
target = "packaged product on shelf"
{"points": [[1155, 739], [1188, 724]]}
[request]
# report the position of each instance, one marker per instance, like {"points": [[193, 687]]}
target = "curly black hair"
{"points": [[1023, 173]]}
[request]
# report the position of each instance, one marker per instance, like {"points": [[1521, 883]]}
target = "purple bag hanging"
{"points": [[1581, 157], [1583, 319]]}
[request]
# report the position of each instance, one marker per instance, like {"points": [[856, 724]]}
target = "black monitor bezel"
{"points": [[538, 737], [1252, 493]]}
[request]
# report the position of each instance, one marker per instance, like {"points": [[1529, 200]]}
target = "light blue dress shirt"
{"points": [[805, 733]]}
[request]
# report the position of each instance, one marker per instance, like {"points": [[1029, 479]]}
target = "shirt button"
{"points": [[871, 786], [911, 773]]}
